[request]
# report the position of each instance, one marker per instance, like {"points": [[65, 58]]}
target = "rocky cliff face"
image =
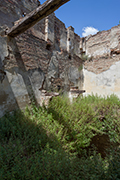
{"points": [[44, 57]]}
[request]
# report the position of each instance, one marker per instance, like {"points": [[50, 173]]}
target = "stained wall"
{"points": [[102, 70], [35, 60]]}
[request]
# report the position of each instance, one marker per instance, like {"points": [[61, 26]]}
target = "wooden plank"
{"points": [[77, 91], [33, 17]]}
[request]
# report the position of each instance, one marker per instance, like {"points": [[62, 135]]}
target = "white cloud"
{"points": [[89, 30]]}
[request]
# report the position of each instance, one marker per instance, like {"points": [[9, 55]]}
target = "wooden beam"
{"points": [[33, 17]]}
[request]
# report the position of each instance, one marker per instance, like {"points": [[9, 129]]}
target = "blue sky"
{"points": [[88, 14]]}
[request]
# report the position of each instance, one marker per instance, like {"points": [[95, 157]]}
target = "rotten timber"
{"points": [[33, 17]]}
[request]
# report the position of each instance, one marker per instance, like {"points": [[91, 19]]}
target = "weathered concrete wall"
{"points": [[70, 40], [35, 60], [101, 72], [104, 83], [103, 42], [77, 44], [49, 28]]}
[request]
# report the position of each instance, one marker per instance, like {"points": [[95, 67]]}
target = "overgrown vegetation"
{"points": [[63, 141]]}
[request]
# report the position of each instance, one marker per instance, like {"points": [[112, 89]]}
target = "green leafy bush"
{"points": [[62, 141], [85, 118]]}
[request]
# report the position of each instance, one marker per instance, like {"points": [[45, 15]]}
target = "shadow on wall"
{"points": [[18, 87], [7, 98], [29, 67], [8, 101], [2, 72], [21, 70]]}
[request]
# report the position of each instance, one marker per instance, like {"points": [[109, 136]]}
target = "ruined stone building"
{"points": [[102, 70], [49, 56]]}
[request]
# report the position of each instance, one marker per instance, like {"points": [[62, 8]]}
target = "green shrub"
{"points": [[85, 118], [56, 142]]}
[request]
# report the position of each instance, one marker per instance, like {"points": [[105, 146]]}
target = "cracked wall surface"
{"points": [[102, 70], [104, 83], [35, 60], [48, 56]]}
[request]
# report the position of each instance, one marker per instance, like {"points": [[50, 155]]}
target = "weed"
{"points": [[61, 141]]}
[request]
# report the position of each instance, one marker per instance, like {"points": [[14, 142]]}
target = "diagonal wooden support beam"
{"points": [[33, 17]]}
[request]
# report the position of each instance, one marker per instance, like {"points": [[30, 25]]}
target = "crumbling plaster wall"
{"points": [[104, 83], [35, 60], [103, 42], [102, 70]]}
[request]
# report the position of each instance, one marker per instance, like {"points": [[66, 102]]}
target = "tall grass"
{"points": [[63, 141]]}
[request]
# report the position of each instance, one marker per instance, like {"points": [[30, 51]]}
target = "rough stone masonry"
{"points": [[102, 69], [47, 56]]}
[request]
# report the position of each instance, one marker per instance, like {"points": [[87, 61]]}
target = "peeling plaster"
{"points": [[105, 83]]}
